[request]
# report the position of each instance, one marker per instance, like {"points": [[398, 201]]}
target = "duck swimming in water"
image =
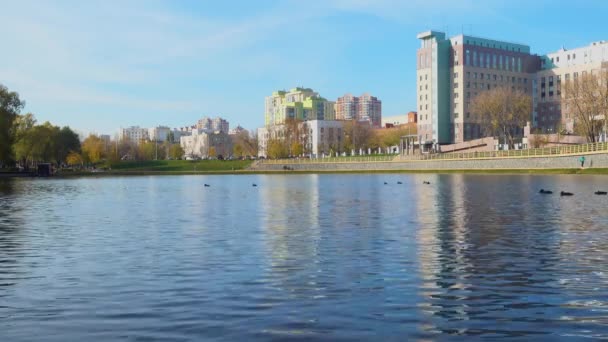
{"points": [[601, 193], [385, 183], [254, 185], [399, 183], [546, 192], [565, 193], [426, 182], [207, 185]]}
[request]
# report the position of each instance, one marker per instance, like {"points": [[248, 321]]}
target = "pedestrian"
{"points": [[582, 160]]}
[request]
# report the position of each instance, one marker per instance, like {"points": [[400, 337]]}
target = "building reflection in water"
{"points": [[486, 251]]}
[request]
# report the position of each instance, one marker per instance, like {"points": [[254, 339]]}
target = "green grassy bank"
{"points": [[179, 165]]}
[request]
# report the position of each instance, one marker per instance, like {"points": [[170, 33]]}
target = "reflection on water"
{"points": [[326, 257]]}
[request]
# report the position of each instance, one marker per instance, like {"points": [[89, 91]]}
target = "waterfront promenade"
{"points": [[566, 157]]}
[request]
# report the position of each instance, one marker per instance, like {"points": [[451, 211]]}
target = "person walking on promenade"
{"points": [[582, 160]]}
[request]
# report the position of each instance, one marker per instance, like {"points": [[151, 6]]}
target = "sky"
{"points": [[97, 66]]}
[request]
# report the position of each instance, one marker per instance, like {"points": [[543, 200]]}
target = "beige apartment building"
{"points": [[451, 72]]}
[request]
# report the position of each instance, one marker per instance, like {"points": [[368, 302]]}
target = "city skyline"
{"points": [[99, 66]]}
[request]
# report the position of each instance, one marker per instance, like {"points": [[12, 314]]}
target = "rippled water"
{"points": [[313, 257]]}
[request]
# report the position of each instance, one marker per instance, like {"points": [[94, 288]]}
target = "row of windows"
{"points": [[475, 43], [496, 77], [490, 61]]}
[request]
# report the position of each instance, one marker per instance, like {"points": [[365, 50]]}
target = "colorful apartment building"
{"points": [[299, 103]]}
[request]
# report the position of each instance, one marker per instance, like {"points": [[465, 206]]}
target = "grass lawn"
{"points": [[179, 165]]}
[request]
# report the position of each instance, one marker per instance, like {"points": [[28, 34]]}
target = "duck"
{"points": [[601, 192], [399, 183], [207, 185], [565, 193], [426, 182], [254, 185], [546, 192], [385, 183]]}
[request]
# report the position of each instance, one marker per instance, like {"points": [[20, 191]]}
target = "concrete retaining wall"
{"points": [[562, 162]]}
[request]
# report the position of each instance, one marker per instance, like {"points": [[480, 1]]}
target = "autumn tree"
{"points": [[586, 100], [74, 158], [10, 106], [244, 144], [176, 151], [277, 149], [93, 149], [502, 112]]}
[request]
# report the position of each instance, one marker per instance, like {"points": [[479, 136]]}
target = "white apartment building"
{"points": [[201, 143], [320, 137], [159, 133], [216, 124], [133, 133], [558, 68]]}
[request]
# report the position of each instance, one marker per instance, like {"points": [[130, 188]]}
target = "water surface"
{"points": [[311, 257]]}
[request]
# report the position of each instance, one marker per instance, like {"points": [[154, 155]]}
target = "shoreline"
{"points": [[573, 171]]}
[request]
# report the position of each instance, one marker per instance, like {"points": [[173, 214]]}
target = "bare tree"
{"points": [[503, 112], [586, 100]]}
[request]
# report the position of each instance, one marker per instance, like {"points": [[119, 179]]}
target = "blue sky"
{"points": [[101, 65]]}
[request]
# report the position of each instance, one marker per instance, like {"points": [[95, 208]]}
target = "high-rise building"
{"points": [[451, 72], [300, 104], [557, 68], [363, 108]]}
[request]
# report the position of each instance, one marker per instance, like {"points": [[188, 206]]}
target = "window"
{"points": [[421, 77], [468, 74], [481, 75], [557, 59], [455, 75], [513, 79], [468, 84], [455, 115], [468, 115], [455, 95], [426, 77], [575, 75], [488, 77], [455, 85], [475, 58], [475, 75], [488, 85], [573, 56], [494, 77], [567, 76], [468, 58]]}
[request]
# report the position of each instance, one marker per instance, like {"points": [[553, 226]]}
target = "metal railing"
{"points": [[349, 159], [533, 152]]}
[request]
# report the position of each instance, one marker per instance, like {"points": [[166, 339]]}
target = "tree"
{"points": [[66, 141], [277, 148], [10, 106], [74, 158], [93, 149], [176, 151], [146, 150], [212, 152], [502, 112], [357, 135], [586, 100]]}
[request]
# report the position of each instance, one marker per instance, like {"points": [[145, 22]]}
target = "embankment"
{"points": [[571, 162]]}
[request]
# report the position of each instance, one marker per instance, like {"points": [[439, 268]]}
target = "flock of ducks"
{"points": [[253, 185], [566, 193], [542, 191]]}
